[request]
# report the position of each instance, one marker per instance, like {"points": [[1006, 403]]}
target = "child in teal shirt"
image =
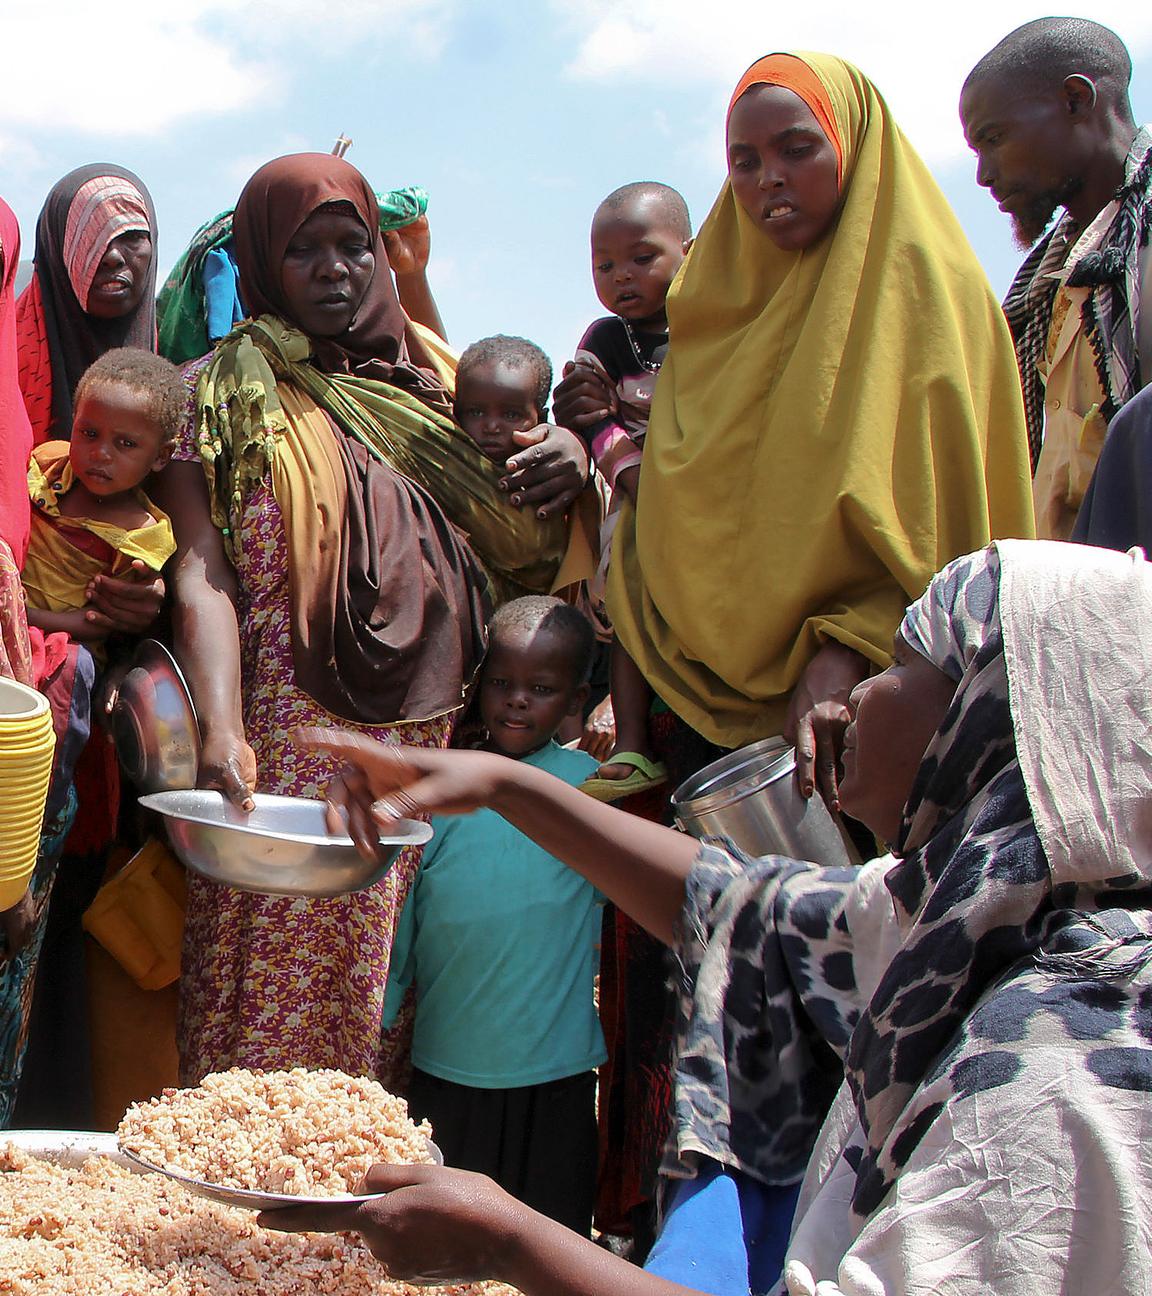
{"points": [[501, 943]]}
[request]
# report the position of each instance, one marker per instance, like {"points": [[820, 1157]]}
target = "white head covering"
{"points": [[1082, 705]]}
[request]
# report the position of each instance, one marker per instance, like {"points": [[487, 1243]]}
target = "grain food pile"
{"points": [[100, 1230], [313, 1133]]}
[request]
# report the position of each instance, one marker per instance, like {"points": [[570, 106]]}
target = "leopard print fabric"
{"points": [[993, 957], [974, 893], [766, 1004]]}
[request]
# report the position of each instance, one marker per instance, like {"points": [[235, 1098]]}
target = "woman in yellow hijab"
{"points": [[839, 415]]}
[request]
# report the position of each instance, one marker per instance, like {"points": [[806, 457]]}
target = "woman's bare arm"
{"points": [[438, 1225], [207, 638]]}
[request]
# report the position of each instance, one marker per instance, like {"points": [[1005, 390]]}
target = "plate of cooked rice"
{"points": [[78, 1218], [263, 1140]]}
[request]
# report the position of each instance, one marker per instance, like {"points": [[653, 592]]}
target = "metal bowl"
{"points": [[282, 848], [154, 722]]}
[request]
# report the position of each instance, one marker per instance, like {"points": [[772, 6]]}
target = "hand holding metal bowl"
{"points": [[283, 847]]}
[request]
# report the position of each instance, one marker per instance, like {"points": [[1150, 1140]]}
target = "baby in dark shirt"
{"points": [[640, 234]]}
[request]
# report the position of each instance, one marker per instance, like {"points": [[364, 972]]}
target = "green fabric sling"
{"points": [[239, 417]]}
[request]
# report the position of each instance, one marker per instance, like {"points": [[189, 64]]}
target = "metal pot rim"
{"points": [[766, 762]]}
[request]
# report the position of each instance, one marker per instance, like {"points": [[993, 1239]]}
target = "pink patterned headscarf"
{"points": [[104, 208], [58, 339]]}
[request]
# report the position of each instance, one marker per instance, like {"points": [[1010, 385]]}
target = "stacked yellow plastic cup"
{"points": [[26, 746]]}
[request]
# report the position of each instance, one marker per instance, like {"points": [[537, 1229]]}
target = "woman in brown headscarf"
{"points": [[318, 512]]}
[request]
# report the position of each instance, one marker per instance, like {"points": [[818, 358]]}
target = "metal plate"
{"points": [[67, 1148], [249, 1198], [71, 1148]]}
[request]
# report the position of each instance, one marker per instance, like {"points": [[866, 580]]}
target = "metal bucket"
{"points": [[750, 797]]}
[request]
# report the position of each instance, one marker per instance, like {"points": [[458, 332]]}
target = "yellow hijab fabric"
{"points": [[829, 429]]}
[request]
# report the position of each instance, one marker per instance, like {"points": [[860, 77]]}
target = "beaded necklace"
{"points": [[650, 366]]}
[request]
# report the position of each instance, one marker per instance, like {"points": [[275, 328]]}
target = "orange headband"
{"points": [[792, 73]]}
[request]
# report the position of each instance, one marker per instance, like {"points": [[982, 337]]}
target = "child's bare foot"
{"points": [[615, 770], [623, 764]]}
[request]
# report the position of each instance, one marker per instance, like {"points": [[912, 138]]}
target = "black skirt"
{"points": [[538, 1142]]}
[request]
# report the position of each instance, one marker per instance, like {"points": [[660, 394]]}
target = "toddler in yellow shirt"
{"points": [[89, 514]]}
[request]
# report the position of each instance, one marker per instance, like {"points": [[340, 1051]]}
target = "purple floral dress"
{"points": [[277, 982]]}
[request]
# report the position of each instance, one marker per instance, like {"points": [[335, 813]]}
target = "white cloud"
{"points": [[19, 155], [411, 27], [918, 54], [81, 69], [238, 167], [74, 65]]}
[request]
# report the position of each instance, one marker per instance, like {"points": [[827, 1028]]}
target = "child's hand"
{"points": [[108, 689], [381, 782], [129, 604], [581, 399], [599, 736], [74, 623]]}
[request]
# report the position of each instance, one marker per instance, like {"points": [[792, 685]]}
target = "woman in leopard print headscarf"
{"points": [[989, 1134], [988, 987]]}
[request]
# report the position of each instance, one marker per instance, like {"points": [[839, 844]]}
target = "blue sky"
{"points": [[518, 116]]}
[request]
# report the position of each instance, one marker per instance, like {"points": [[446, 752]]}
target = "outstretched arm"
{"points": [[438, 1225], [640, 866]]}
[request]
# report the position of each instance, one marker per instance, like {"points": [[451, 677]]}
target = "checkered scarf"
{"points": [[1109, 315]]}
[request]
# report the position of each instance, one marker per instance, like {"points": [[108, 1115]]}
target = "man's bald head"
{"points": [[1041, 55], [1047, 114]]}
